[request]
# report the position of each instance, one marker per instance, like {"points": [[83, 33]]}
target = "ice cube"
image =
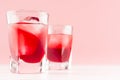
{"points": [[54, 40], [66, 40]]}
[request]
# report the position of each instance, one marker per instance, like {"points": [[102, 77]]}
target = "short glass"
{"points": [[59, 47], [27, 40]]}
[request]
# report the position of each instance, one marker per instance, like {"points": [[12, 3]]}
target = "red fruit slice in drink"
{"points": [[30, 48], [27, 42], [31, 18]]}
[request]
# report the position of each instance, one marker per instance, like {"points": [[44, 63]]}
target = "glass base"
{"points": [[58, 65], [23, 67]]}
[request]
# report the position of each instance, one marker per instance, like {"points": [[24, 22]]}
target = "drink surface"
{"points": [[59, 47], [27, 41]]}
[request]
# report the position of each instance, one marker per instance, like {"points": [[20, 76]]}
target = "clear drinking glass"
{"points": [[27, 40], [59, 47]]}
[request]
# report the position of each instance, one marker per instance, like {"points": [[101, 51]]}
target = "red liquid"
{"points": [[59, 47], [29, 40]]}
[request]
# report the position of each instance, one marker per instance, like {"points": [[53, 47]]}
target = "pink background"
{"points": [[96, 27]]}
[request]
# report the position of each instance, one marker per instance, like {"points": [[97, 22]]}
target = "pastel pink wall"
{"points": [[96, 27]]}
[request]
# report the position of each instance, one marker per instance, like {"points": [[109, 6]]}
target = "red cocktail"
{"points": [[59, 46], [27, 39]]}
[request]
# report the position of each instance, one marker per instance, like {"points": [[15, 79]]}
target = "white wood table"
{"points": [[77, 72]]}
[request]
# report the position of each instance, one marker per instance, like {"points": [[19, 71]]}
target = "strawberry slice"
{"points": [[35, 57], [31, 18], [29, 47], [27, 42]]}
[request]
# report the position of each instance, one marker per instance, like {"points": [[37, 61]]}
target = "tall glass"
{"points": [[27, 40], [59, 47]]}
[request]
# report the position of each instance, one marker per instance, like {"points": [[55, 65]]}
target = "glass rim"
{"points": [[61, 25], [14, 15], [26, 11]]}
